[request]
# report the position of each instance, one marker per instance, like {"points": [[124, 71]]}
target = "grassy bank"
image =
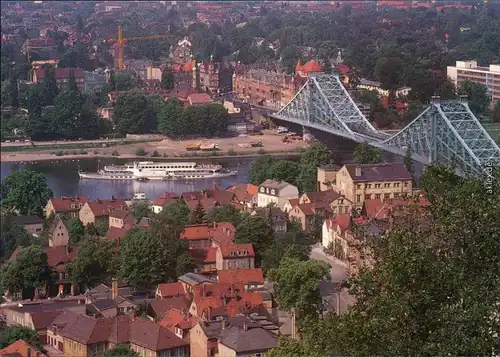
{"points": [[493, 130], [70, 146]]}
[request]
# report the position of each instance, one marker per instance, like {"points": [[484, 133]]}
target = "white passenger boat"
{"points": [[149, 170]]}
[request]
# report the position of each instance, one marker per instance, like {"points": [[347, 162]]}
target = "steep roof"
{"points": [[231, 250], [244, 276], [278, 185], [379, 172], [194, 279], [42, 319], [171, 289], [161, 306], [105, 207], [58, 219], [247, 341], [322, 196], [26, 220], [309, 209], [342, 220], [178, 318], [199, 98], [64, 204], [21, 348], [308, 67]]}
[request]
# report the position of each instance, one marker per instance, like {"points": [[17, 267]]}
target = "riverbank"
{"points": [[166, 149]]}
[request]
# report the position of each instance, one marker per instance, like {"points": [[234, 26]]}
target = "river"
{"points": [[62, 177]]}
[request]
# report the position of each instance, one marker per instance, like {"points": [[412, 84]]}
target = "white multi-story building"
{"points": [[470, 71], [276, 192]]}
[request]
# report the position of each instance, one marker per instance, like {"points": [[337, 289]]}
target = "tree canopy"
{"points": [[477, 96], [257, 231], [134, 114], [367, 154], [315, 156], [175, 216], [12, 334], [433, 288], [25, 191]]}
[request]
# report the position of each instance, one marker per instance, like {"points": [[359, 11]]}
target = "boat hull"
{"points": [[97, 176]]}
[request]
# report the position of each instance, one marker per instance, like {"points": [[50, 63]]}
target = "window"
{"points": [[387, 195], [369, 185], [358, 198], [229, 264], [377, 196], [273, 191], [406, 183], [359, 186], [386, 185], [262, 189], [377, 185], [396, 184]]}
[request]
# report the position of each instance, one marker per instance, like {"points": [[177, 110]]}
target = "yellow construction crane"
{"points": [[121, 42]]}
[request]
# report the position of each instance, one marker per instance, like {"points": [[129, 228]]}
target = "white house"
{"points": [[336, 231], [276, 192]]}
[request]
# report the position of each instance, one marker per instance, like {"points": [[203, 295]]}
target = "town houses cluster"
{"points": [[225, 305]]}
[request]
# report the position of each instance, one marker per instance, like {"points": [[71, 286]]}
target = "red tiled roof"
{"points": [[244, 276], [222, 233], [61, 73], [59, 255], [342, 68], [207, 203], [323, 196], [21, 348], [244, 192], [196, 231], [199, 98], [161, 306], [342, 220], [235, 248], [41, 319], [376, 209], [171, 289], [309, 209], [115, 233], [63, 204], [119, 213], [104, 207], [178, 318], [204, 256], [308, 67]]}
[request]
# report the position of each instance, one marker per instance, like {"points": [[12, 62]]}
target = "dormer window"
{"points": [[262, 189], [231, 254], [273, 191], [73, 205]]}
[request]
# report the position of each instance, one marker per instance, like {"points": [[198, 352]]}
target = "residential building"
{"points": [[205, 235], [212, 301], [179, 322], [120, 223], [337, 202], [379, 181], [170, 290], [304, 70], [252, 278], [164, 199], [241, 256], [182, 52], [211, 338], [32, 224], [374, 209], [326, 177], [334, 235], [93, 80], [265, 87], [276, 193], [97, 212], [275, 216], [87, 336], [190, 280], [104, 292], [62, 77], [470, 71], [157, 308], [104, 308], [213, 77], [21, 348], [66, 207], [290, 204], [308, 213], [198, 99], [58, 233], [245, 194], [367, 84], [183, 73]]}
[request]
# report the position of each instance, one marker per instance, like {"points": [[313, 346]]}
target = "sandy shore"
{"points": [[173, 149]]}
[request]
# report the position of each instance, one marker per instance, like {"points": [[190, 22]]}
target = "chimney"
{"points": [[114, 288], [357, 172]]}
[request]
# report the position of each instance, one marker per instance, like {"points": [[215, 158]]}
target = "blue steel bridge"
{"points": [[446, 132]]}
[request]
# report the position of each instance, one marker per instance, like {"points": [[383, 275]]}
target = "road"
{"points": [[59, 142], [339, 268]]}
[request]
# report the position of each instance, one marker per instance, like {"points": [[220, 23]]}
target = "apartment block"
{"points": [[470, 71]]}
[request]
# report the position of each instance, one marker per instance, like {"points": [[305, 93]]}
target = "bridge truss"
{"points": [[446, 132]]}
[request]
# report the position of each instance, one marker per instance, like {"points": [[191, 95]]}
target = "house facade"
{"points": [[378, 181], [272, 192], [66, 207], [58, 233], [230, 256], [97, 212]]}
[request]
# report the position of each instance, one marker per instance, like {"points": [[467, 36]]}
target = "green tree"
{"points": [[259, 169], [49, 84], [447, 90], [125, 81], [175, 216], [12, 236], [495, 114], [423, 296], [12, 334], [121, 350], [284, 170], [477, 95], [96, 262], [140, 209], [316, 155], [167, 79], [14, 94], [225, 213], [76, 230], [197, 216], [72, 87], [29, 270], [409, 162], [25, 191], [366, 154], [295, 243], [134, 113], [170, 117], [257, 231], [112, 81], [292, 273], [388, 71]]}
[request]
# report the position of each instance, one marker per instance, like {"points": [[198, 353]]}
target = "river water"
{"points": [[62, 177]]}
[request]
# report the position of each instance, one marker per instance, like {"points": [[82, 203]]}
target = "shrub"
{"points": [[140, 152], [74, 152], [59, 153], [115, 153], [83, 152], [231, 152], [155, 154], [261, 152]]}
